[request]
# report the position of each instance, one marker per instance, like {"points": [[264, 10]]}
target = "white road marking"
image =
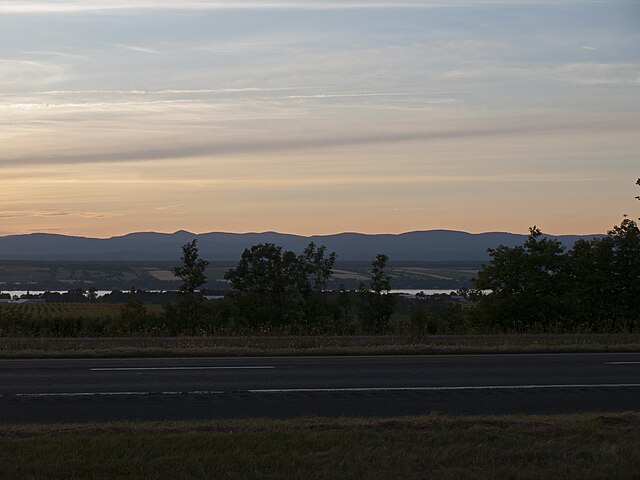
{"points": [[133, 369], [329, 390], [108, 394], [622, 363], [439, 389]]}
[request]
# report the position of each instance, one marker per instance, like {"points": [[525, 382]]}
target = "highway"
{"points": [[87, 390]]}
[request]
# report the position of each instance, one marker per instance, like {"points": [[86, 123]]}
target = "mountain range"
{"points": [[430, 245]]}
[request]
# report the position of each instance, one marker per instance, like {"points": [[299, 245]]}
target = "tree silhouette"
{"points": [[279, 289], [192, 273], [376, 303], [317, 266], [526, 283]]}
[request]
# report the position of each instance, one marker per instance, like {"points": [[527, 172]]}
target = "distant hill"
{"points": [[431, 245]]}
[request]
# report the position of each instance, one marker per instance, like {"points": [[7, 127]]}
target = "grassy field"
{"points": [[61, 347], [585, 446]]}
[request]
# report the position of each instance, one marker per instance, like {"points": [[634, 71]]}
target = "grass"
{"points": [[63, 347], [585, 446]]}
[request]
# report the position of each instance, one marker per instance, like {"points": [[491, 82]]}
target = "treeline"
{"points": [[535, 287], [594, 286], [276, 291]]}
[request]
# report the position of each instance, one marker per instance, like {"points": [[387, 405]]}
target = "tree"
{"points": [[318, 268], [274, 288], [192, 269], [594, 286], [265, 268], [626, 279], [380, 279], [526, 282], [192, 273], [591, 274], [377, 304]]}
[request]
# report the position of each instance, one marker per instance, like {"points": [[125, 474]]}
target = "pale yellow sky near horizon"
{"points": [[407, 116]]}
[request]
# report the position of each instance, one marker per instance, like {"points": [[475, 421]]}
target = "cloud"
{"points": [[81, 6], [17, 73], [598, 73], [8, 214], [158, 92], [135, 48], [283, 144], [350, 95], [114, 5], [579, 73], [174, 209]]}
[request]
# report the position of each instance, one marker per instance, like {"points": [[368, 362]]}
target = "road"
{"points": [[85, 390]]}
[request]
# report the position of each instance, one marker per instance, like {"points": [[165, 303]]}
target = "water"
{"points": [[19, 293], [426, 291], [101, 293]]}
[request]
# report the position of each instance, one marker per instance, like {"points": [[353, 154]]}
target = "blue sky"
{"points": [[318, 117]]}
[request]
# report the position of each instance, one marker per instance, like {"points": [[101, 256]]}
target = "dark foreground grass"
{"points": [[586, 446], [105, 347]]}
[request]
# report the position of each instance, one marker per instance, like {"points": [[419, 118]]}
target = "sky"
{"points": [[318, 117]]}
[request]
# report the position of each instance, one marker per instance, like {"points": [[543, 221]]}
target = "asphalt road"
{"points": [[284, 387]]}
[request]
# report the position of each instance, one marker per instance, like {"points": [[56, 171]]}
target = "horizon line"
{"points": [[182, 231]]}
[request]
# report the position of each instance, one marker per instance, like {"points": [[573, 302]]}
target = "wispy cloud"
{"points": [[16, 73], [70, 6], [179, 209], [115, 5], [579, 73], [284, 144], [136, 48], [8, 214], [352, 95], [176, 91]]}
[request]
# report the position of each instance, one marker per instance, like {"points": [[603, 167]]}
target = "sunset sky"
{"points": [[316, 117]]}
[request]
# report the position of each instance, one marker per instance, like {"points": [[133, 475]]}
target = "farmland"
{"points": [[65, 275], [59, 310]]}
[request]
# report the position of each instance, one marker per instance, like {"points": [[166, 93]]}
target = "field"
{"points": [[565, 447], [64, 275], [99, 330], [60, 310]]}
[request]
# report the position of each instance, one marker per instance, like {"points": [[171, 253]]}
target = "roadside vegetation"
{"points": [[216, 346], [585, 446]]}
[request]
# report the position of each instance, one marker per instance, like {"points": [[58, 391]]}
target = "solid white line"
{"points": [[108, 394], [622, 363], [439, 389], [329, 390], [129, 369]]}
